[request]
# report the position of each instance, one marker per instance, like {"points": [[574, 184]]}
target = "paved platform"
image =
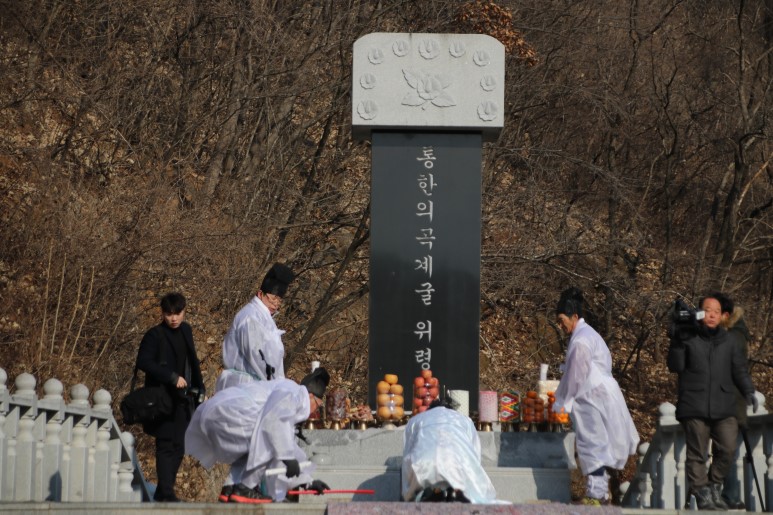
{"points": [[323, 507]]}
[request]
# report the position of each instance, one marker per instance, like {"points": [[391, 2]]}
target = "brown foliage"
{"points": [[486, 17]]}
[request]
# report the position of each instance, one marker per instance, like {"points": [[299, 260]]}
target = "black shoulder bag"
{"points": [[148, 404]]}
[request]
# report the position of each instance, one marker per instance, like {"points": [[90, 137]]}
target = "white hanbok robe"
{"points": [[252, 341], [441, 448], [256, 420], [604, 431]]}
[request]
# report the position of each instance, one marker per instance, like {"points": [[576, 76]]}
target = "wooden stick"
{"points": [[282, 470]]}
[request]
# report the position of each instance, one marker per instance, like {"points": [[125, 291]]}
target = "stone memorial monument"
{"points": [[426, 102]]}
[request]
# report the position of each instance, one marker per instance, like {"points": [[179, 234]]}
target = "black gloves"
{"points": [[293, 468], [751, 400], [318, 486]]}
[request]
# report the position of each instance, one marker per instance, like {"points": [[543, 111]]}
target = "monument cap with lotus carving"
{"points": [[428, 82]]}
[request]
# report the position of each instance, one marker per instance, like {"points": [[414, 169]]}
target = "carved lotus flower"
{"points": [[487, 111], [429, 49], [367, 110], [457, 49], [368, 81], [375, 56], [427, 88], [481, 58], [400, 48], [488, 83]]}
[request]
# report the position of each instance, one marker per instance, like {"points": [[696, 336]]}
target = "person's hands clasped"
{"points": [[293, 468], [752, 401], [181, 383]]}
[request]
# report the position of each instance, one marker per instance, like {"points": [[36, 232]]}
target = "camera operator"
{"points": [[710, 367], [733, 322]]}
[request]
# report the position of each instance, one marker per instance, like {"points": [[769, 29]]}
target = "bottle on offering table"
{"points": [[315, 417]]}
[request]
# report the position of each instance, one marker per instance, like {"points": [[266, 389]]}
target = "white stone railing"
{"points": [[70, 452], [660, 481]]}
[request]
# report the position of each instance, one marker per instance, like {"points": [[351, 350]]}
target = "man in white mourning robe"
{"points": [[252, 427], [442, 459], [252, 347]]}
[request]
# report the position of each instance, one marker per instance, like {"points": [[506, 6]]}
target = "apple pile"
{"points": [[425, 390], [389, 399]]}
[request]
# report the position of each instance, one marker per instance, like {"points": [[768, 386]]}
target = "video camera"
{"points": [[685, 320]]}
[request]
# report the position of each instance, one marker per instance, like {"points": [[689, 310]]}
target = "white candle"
{"points": [[461, 400]]}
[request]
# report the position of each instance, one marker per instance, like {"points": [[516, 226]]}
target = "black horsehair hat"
{"points": [[570, 302], [277, 280], [316, 382]]}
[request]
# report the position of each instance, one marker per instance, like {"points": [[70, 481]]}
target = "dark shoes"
{"points": [[225, 493], [243, 494], [716, 496], [440, 495], [704, 499], [734, 504], [173, 498]]}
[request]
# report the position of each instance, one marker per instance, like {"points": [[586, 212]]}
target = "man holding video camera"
{"points": [[710, 367]]}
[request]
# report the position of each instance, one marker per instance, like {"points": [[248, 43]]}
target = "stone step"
{"points": [[376, 508], [524, 467], [378, 446], [332, 507], [512, 484]]}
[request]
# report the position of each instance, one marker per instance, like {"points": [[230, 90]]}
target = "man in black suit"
{"points": [[168, 357]]}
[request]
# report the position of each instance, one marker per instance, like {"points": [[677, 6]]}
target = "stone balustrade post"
{"points": [[4, 407], [766, 476], [645, 482], [26, 445], [102, 421], [79, 453], [51, 407], [754, 435], [670, 472], [126, 469]]}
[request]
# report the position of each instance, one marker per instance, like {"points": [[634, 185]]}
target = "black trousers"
{"points": [[170, 449]]}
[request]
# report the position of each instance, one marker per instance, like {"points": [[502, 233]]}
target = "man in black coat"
{"points": [[168, 357], [710, 367]]}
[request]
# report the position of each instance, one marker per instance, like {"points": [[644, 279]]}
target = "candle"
{"points": [[487, 406], [461, 399]]}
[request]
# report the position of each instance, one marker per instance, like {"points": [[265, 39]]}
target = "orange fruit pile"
{"points": [[389, 399], [560, 417]]}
